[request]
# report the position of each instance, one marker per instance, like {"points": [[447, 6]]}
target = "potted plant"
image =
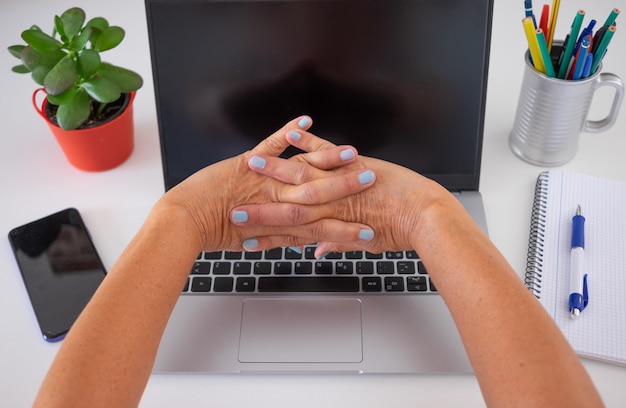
{"points": [[88, 104]]}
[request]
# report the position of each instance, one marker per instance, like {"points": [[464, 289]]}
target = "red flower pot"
{"points": [[99, 148]]}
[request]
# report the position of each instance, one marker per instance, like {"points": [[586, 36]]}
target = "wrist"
{"points": [[171, 218]]}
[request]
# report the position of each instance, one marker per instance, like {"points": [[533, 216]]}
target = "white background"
{"points": [[35, 180]]}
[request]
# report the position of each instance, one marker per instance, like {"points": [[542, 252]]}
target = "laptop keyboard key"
{"points": [[372, 284], [344, 268], [242, 268], [262, 268], [245, 284], [365, 268], [406, 267], [201, 284], [201, 268], [394, 284], [221, 268], [384, 268], [323, 268], [253, 255], [282, 268], [274, 253], [416, 284], [223, 284], [304, 268], [213, 255]]}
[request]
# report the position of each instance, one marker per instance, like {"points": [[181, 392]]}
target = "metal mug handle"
{"points": [[612, 80]]}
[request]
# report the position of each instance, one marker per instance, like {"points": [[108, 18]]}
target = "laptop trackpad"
{"points": [[301, 331]]}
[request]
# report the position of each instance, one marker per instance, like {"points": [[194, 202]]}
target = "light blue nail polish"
{"points": [[239, 216], [304, 122], [294, 135], [366, 177], [347, 154], [250, 244], [296, 250], [257, 162], [366, 234]]}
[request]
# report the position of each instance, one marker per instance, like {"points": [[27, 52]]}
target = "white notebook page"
{"points": [[600, 330]]}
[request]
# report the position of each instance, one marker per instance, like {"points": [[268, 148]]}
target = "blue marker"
{"points": [[579, 297]]}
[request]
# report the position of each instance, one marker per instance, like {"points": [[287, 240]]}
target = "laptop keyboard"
{"points": [[284, 270]]}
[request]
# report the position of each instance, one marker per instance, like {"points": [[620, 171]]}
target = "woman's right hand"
{"points": [[399, 207]]}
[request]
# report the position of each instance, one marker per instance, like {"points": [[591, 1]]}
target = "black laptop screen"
{"points": [[401, 80]]}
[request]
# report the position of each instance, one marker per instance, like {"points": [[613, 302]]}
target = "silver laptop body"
{"points": [[402, 80]]}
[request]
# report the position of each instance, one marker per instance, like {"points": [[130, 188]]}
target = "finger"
{"points": [[308, 142], [295, 171], [278, 214], [296, 236], [327, 189], [276, 143], [324, 248]]}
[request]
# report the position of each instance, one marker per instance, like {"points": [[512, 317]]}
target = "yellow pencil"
{"points": [[552, 26], [533, 44]]}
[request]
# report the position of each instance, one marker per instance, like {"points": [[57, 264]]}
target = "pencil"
{"points": [[612, 17], [533, 44], [552, 26], [571, 43], [545, 55], [601, 50]]}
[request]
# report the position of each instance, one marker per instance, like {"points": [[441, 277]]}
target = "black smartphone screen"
{"points": [[60, 268]]}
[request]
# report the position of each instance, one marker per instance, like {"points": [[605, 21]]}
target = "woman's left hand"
{"points": [[301, 214]]}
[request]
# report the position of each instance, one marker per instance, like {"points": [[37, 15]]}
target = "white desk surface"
{"points": [[37, 180]]}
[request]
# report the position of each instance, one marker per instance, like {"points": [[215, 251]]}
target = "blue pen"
{"points": [[528, 11], [587, 68], [586, 31], [579, 297], [581, 58]]}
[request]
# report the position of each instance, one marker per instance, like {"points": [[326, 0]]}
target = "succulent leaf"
{"points": [[41, 41], [61, 77], [102, 90], [110, 38], [72, 21], [76, 112], [125, 79]]}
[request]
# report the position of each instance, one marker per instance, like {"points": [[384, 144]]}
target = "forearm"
{"points": [[518, 354], [107, 356]]}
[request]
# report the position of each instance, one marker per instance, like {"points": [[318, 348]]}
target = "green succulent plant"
{"points": [[68, 65]]}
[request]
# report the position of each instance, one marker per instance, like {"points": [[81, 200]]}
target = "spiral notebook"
{"points": [[600, 330]]}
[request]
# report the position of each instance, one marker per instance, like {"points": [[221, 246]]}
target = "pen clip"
{"points": [[585, 293]]}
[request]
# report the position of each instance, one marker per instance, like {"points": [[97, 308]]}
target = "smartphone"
{"points": [[60, 268]]}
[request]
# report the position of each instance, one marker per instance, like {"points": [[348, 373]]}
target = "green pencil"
{"points": [[545, 54], [597, 58], [612, 17], [571, 43]]}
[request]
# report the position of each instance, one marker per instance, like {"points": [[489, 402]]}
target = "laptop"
{"points": [[401, 80]]}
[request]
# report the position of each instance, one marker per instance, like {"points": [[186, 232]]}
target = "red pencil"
{"points": [[543, 23]]}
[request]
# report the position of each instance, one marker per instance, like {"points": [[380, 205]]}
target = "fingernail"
{"points": [[239, 216], [257, 162], [366, 234], [304, 122], [250, 244], [366, 177], [347, 154], [296, 250], [294, 135]]}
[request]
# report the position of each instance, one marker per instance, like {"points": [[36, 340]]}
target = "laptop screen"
{"points": [[401, 80]]}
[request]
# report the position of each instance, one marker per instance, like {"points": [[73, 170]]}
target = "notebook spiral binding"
{"points": [[534, 258]]}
